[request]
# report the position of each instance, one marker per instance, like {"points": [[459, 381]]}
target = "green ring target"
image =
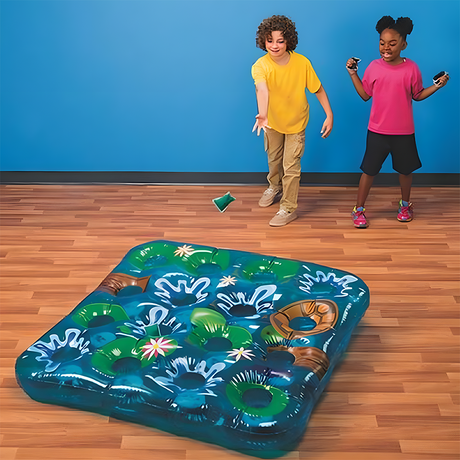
{"points": [[256, 399], [206, 261], [212, 333], [270, 270], [99, 314], [127, 354], [153, 254]]}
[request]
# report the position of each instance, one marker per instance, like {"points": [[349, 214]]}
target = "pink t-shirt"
{"points": [[392, 88]]}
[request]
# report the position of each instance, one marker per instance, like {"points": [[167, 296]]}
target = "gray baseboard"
{"points": [[214, 178]]}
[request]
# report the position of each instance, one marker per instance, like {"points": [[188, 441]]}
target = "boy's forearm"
{"points": [[262, 100], [324, 101], [329, 122], [358, 84]]}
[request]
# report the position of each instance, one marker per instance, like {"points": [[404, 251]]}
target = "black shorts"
{"points": [[402, 148]]}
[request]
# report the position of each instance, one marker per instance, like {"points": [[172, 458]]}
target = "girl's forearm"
{"points": [[358, 84], [427, 92]]}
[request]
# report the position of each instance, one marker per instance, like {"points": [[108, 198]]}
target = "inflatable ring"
{"points": [[202, 261], [212, 333], [128, 355], [311, 357], [270, 270], [323, 312], [206, 261], [151, 255], [256, 399], [99, 314], [116, 282]]}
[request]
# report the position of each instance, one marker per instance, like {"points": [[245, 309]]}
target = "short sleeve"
{"points": [[368, 83], [313, 82], [258, 73], [417, 82]]}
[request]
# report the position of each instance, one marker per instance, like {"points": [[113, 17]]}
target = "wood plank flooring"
{"points": [[395, 396]]}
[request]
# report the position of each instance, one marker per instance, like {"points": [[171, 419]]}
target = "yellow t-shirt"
{"points": [[288, 108]]}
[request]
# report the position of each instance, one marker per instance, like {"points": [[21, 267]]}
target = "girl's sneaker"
{"points": [[359, 218], [405, 212]]}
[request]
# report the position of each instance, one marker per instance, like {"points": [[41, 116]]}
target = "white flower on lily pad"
{"points": [[238, 353], [227, 281], [155, 347], [184, 251]]}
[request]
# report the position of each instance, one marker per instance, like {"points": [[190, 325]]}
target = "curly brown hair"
{"points": [[277, 23]]}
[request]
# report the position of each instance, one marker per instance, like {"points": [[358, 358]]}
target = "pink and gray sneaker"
{"points": [[405, 212], [359, 218]]}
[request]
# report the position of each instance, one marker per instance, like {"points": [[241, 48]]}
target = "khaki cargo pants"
{"points": [[284, 153]]}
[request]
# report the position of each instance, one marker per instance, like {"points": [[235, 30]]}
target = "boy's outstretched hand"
{"points": [[327, 127], [261, 123]]}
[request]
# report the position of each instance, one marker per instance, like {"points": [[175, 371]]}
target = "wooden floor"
{"points": [[395, 396]]}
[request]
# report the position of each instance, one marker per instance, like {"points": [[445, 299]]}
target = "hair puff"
{"points": [[402, 25], [386, 22]]}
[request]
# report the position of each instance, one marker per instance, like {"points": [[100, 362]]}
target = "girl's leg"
{"points": [[365, 184], [406, 184], [405, 211]]}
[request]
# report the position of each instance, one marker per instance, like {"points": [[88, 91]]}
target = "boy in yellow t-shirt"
{"points": [[281, 77]]}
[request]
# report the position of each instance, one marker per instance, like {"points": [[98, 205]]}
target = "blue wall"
{"points": [[166, 86]]}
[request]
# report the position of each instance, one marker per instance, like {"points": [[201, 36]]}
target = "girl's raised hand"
{"points": [[442, 81], [352, 66]]}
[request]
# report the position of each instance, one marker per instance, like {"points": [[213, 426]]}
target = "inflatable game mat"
{"points": [[223, 346]]}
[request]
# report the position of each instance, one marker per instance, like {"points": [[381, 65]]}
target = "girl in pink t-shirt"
{"points": [[392, 81]]}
